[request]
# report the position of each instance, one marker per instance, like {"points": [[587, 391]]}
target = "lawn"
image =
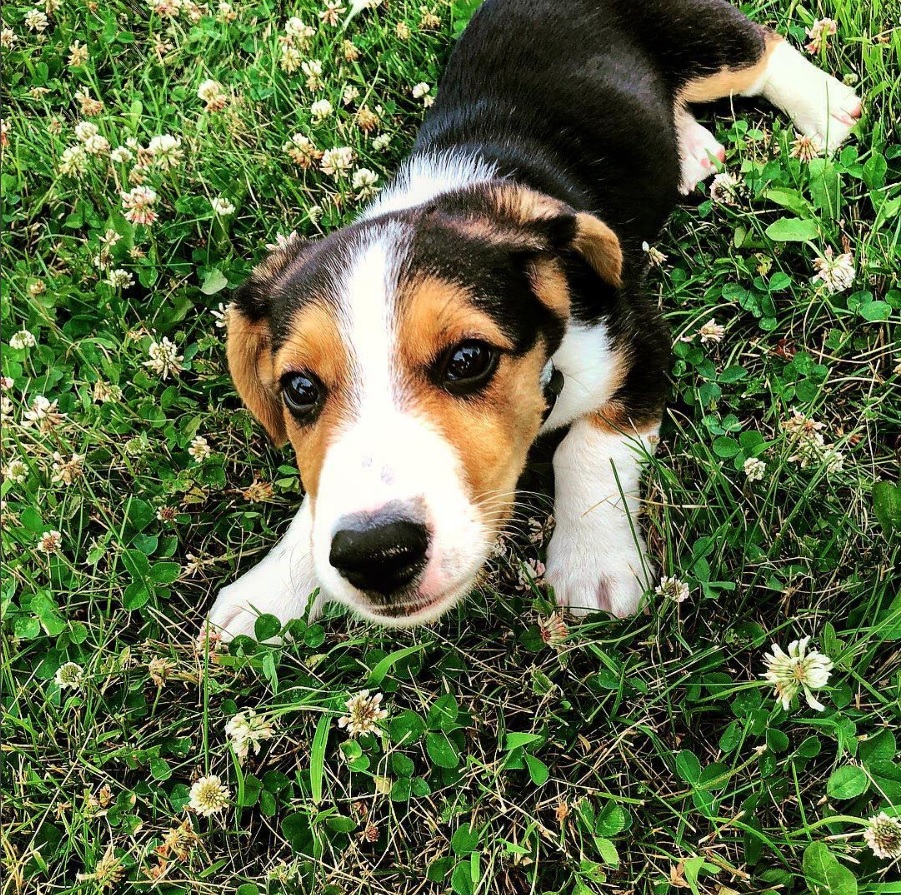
{"points": [[150, 152]]}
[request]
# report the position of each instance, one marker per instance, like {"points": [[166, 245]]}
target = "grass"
{"points": [[637, 756]]}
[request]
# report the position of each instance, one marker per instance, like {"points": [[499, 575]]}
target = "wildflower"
{"points": [[350, 50], [801, 425], [804, 148], [66, 471], [290, 59], [363, 713], [725, 189], [312, 68], [226, 13], [402, 31], [349, 95], [656, 258], [195, 12], [105, 392], [367, 120], [370, 833], [883, 835], [797, 670], [6, 383], [672, 589], [180, 841], [138, 204], [51, 7], [429, 20], [222, 206], [35, 20], [166, 151], [258, 491], [78, 54], [530, 575], [220, 315], [164, 358], [711, 331], [213, 95], [422, 91], [208, 796], [336, 161], [320, 110], [167, 9], [302, 151], [166, 514], [246, 731], [43, 414], [299, 33], [73, 162], [281, 243], [159, 670], [754, 469], [364, 182], [108, 872], [89, 105], [836, 273], [7, 38], [96, 145], [199, 449], [120, 279], [120, 155], [553, 629], [22, 339], [16, 471], [381, 142], [332, 12], [314, 213], [69, 675], [819, 33], [50, 542]]}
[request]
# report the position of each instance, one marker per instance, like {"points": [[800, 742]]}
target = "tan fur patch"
{"points": [[249, 354], [550, 284], [729, 81], [615, 418]]}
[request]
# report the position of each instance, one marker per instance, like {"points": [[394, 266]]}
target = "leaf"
{"points": [[441, 750], [443, 714], [875, 311], [377, 675], [515, 740], [464, 840], [847, 782], [887, 507], [824, 874], [164, 572], [406, 728], [266, 627], [214, 281], [792, 230], [538, 770], [317, 756], [688, 766]]}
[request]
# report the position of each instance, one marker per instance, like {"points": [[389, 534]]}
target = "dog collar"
{"points": [[552, 385]]}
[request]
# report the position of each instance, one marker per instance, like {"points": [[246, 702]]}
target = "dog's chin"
{"points": [[409, 610]]}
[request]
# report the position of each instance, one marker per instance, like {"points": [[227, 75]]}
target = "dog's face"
{"points": [[403, 358]]}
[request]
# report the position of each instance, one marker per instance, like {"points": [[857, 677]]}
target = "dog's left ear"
{"points": [[249, 350]]}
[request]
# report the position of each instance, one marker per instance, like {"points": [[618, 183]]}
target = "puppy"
{"points": [[492, 293]]}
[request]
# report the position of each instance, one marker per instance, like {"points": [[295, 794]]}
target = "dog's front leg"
{"points": [[280, 585], [597, 559]]}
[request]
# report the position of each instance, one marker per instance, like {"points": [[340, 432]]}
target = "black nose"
{"points": [[380, 556]]}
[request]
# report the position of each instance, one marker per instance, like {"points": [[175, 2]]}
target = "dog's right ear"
{"points": [[249, 350]]}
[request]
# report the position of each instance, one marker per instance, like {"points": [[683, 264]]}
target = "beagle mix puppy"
{"points": [[492, 293]]}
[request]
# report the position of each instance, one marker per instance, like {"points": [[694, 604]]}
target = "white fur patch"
{"points": [[590, 373], [597, 559], [820, 106], [424, 177], [698, 150]]}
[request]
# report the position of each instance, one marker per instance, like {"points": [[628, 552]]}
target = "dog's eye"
{"points": [[302, 392], [468, 366]]}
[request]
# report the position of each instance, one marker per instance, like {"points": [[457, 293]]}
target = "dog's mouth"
{"points": [[407, 608]]}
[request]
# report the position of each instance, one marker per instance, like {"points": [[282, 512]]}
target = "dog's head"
{"points": [[402, 357]]}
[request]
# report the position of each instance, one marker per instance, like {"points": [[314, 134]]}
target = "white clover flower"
{"points": [[530, 574], [199, 449], [96, 145], [726, 189], [209, 795], [138, 204], [553, 629], [711, 331], [71, 675], [363, 713], [298, 32], [50, 542], [349, 95], [312, 68], [22, 339], [36, 20], [167, 9], [209, 90], [364, 182], [282, 241], [819, 33], [421, 91], [222, 206], [336, 161], [164, 358], [290, 59], [302, 150], [320, 110], [166, 151], [84, 130], [797, 670], [7, 38], [314, 213], [120, 279], [754, 469], [836, 272], [121, 154], [74, 161], [672, 589], [16, 471], [221, 315], [883, 835], [78, 54], [656, 258], [66, 471], [43, 414], [246, 731], [381, 142], [804, 148], [105, 392]]}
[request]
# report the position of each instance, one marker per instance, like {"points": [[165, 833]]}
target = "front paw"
{"points": [[588, 579]]}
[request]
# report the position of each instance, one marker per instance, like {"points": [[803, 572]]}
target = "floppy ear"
{"points": [[249, 349]]}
